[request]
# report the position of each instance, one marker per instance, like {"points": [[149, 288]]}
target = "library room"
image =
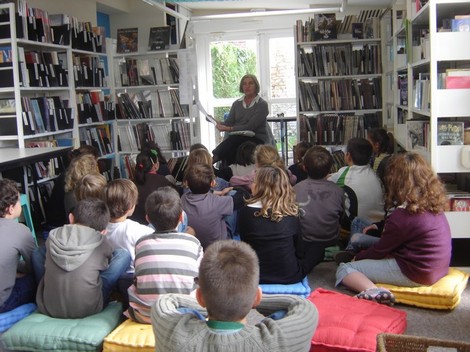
{"points": [[168, 171]]}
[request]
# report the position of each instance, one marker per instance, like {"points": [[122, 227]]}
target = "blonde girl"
{"points": [[269, 222]]}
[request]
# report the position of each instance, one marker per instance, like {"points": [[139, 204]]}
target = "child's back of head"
{"points": [[271, 187], [145, 162], [300, 149], [121, 196], [163, 208], [91, 212], [197, 156], [228, 280], [360, 150], [90, 186], [80, 166], [9, 195], [267, 155], [245, 153], [199, 178], [318, 162]]}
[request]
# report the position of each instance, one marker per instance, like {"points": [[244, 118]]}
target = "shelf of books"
{"points": [[432, 93], [48, 64], [339, 76], [148, 90]]}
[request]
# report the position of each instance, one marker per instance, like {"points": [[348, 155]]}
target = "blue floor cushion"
{"points": [[38, 332], [301, 288], [7, 319]]}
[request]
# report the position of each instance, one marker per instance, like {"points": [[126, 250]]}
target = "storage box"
{"points": [[407, 343]]}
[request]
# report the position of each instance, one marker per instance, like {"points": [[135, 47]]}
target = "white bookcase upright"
{"points": [[424, 50]]}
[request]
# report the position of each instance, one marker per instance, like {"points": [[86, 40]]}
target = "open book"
{"points": [[209, 117]]}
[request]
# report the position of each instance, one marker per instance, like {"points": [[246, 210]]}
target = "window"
{"points": [[271, 57]]}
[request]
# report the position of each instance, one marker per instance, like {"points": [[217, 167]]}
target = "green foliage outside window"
{"points": [[229, 64]]}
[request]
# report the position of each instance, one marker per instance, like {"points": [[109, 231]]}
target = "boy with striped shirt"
{"points": [[166, 261]]}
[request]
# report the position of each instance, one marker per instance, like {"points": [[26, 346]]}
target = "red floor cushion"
{"points": [[350, 324]]}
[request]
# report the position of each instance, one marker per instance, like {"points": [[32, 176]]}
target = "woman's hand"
{"points": [[223, 128]]}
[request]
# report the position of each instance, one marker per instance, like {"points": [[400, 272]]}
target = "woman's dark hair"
{"points": [[246, 153], [383, 138], [143, 164], [152, 148]]}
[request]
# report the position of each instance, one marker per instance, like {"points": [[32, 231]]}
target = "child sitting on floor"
{"points": [[121, 197], [269, 223], [166, 261], [17, 283], [321, 204], [207, 210], [415, 246], [228, 288], [81, 268]]}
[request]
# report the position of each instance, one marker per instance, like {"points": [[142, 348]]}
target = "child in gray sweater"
{"points": [[216, 319]]}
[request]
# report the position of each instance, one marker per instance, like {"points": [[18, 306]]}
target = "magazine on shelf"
{"points": [[450, 133], [159, 38], [127, 40]]}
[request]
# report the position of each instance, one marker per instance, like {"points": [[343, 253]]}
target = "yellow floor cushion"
{"points": [[130, 336], [444, 294]]}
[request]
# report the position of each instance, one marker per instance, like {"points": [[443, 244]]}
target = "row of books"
{"points": [[327, 27], [458, 78], [418, 135], [93, 106], [448, 133], [174, 136], [45, 114], [41, 69], [422, 92], [89, 71], [99, 137], [339, 60], [128, 39], [148, 71], [458, 201], [343, 94], [337, 129], [150, 104], [38, 25]]}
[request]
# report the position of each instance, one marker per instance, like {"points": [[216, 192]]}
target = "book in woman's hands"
{"points": [[209, 117]]}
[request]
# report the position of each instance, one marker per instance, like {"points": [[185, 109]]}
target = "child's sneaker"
{"points": [[378, 294]]}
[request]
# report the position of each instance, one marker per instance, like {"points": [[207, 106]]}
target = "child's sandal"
{"points": [[379, 295]]}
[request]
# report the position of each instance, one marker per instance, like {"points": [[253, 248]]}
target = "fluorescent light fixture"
{"points": [[267, 13]]}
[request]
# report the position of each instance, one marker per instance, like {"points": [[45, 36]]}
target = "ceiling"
{"points": [[248, 5]]}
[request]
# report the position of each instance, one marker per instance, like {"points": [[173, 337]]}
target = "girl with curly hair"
{"points": [[269, 222], [415, 246]]}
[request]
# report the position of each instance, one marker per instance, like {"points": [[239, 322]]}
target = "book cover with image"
{"points": [[325, 26], [127, 40], [159, 38], [450, 133]]}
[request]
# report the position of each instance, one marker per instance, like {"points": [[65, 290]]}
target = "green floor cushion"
{"points": [[130, 336], [444, 294], [38, 332]]}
